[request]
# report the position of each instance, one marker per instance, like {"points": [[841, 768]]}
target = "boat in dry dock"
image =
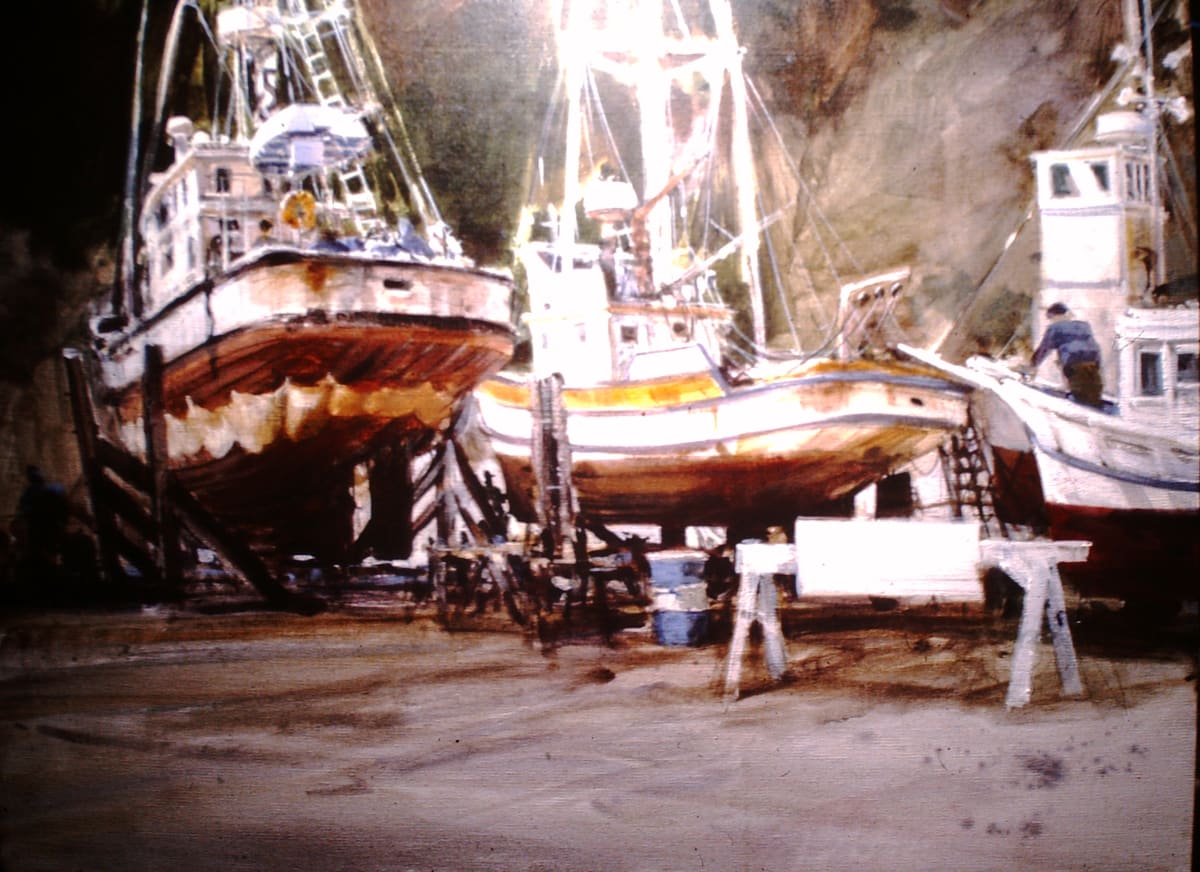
{"points": [[644, 401], [1124, 476], [289, 263]]}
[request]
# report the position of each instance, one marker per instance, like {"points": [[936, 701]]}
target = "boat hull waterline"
{"points": [[696, 451], [293, 367], [1130, 489]]}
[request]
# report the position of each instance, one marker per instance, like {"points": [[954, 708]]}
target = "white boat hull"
{"points": [[1078, 473], [692, 451]]}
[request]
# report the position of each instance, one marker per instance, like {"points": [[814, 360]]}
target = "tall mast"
{"points": [[573, 48], [745, 180], [129, 206], [1152, 110], [653, 94]]}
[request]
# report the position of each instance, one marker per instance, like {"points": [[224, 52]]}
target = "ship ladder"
{"points": [[968, 477], [313, 31], [552, 459]]}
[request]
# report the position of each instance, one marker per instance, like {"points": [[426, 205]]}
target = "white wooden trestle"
{"points": [[824, 567]]}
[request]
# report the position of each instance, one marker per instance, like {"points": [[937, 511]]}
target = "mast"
{"points": [[572, 58], [129, 207], [1152, 109], [653, 93]]}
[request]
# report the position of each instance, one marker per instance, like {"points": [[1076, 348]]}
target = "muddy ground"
{"points": [[369, 737]]}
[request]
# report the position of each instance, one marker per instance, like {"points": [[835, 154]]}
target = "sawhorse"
{"points": [[1034, 566], [1031, 564]]}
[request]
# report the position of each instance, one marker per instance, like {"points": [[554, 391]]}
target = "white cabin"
{"points": [[590, 334], [201, 214], [1098, 226]]}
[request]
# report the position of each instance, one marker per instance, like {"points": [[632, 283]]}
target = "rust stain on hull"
{"points": [[316, 274]]}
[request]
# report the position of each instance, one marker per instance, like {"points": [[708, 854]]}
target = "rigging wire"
{"points": [[1085, 116], [1178, 194], [129, 206], [779, 288], [404, 154], [760, 105], [598, 107], [823, 323]]}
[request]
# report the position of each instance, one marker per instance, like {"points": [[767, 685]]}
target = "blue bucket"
{"points": [[680, 599], [681, 628]]}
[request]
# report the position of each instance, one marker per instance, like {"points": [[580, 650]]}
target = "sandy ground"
{"points": [[374, 739]]}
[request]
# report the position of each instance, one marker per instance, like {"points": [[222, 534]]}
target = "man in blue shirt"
{"points": [[1078, 354]]}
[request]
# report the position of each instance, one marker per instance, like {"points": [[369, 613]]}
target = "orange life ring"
{"points": [[299, 210]]}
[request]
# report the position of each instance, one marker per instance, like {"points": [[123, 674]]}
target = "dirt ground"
{"points": [[369, 737]]}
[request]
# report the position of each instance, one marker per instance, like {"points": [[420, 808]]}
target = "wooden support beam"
{"points": [[478, 492], [389, 533], [154, 425], [137, 554], [125, 506], [113, 505], [89, 441], [234, 550], [444, 500], [424, 519]]}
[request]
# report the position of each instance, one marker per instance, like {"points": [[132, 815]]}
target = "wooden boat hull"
{"points": [[1131, 489], [1143, 523], [291, 369], [695, 451]]}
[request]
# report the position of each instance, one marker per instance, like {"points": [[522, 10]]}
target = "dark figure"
{"points": [[633, 569], [1078, 355], [42, 521], [496, 499]]}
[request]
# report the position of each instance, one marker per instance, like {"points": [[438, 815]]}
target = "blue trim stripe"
{"points": [[1106, 472], [738, 392], [870, 420]]}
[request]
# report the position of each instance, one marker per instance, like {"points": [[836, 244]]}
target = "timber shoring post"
{"points": [[88, 438], [235, 551], [389, 532], [154, 424], [476, 489], [99, 456], [445, 512]]}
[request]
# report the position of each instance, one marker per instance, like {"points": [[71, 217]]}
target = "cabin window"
{"points": [[191, 252], [168, 253], [163, 214], [221, 180], [1100, 171], [1137, 181], [1187, 368], [1061, 183], [628, 333], [1150, 376]]}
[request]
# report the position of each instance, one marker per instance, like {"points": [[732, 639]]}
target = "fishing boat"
{"points": [[646, 400], [1125, 476], [292, 269]]}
